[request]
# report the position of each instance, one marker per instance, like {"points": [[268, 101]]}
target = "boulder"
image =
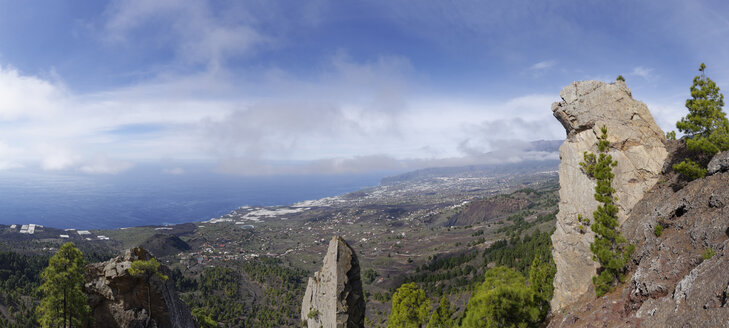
{"points": [[720, 163], [120, 300], [334, 296], [636, 143]]}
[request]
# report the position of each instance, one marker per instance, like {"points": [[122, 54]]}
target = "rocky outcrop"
{"points": [[720, 163], [334, 296], [120, 300], [674, 280], [636, 143]]}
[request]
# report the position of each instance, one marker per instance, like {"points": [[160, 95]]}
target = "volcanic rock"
{"points": [[334, 296], [120, 300], [636, 143]]}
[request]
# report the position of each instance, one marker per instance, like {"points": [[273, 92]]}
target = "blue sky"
{"points": [[294, 87]]}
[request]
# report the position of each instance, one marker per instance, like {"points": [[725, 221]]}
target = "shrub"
{"points": [[708, 253], [658, 230], [690, 169], [313, 313]]}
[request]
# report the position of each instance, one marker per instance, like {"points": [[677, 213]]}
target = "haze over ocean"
{"points": [[143, 196]]}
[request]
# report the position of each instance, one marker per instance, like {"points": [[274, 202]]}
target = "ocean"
{"points": [[145, 195]]}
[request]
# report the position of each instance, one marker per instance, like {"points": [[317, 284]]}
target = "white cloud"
{"points": [[543, 65], [54, 158], [105, 165], [197, 33], [354, 115], [643, 72], [174, 171]]}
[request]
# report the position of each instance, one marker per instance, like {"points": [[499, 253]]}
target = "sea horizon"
{"points": [[151, 195]]}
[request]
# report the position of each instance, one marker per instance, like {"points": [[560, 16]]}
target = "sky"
{"points": [[327, 87]]}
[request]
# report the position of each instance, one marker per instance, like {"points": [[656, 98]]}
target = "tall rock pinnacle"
{"points": [[636, 143], [334, 296]]}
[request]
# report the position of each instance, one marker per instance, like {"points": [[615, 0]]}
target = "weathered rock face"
{"points": [[119, 300], [720, 163], [670, 282], [334, 296], [636, 143]]}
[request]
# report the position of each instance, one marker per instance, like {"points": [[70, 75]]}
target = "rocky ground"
{"points": [[678, 278]]}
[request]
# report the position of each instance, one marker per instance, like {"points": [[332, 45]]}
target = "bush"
{"points": [[313, 314], [690, 169], [708, 253], [658, 230]]}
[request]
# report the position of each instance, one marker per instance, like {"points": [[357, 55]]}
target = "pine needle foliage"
{"points": [[610, 249], [706, 127], [410, 307], [502, 300], [64, 303], [147, 269], [441, 317]]}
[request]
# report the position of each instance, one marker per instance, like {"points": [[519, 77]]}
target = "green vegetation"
{"points": [[64, 302], [442, 317], [313, 314], [671, 135], [708, 253], [706, 127], [658, 230], [503, 300], [220, 296], [410, 307], [203, 319], [690, 169], [147, 269], [370, 275], [541, 278], [20, 275], [620, 78], [610, 248], [518, 253]]}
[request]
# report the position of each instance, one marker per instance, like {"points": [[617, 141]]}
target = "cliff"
{"points": [[636, 143], [119, 300], [334, 296], [674, 281], [678, 277]]}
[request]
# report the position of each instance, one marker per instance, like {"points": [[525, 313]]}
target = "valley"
{"points": [[406, 228]]}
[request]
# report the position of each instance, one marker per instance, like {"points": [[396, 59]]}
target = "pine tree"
{"points": [[64, 303], [147, 269], [503, 300], [410, 307], [441, 317], [541, 277], [610, 248], [706, 127]]}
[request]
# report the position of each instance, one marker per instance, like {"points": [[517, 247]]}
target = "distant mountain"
{"points": [[486, 170]]}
